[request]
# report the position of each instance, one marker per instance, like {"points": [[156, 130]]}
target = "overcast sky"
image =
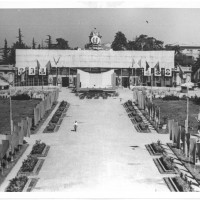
{"points": [[75, 24]]}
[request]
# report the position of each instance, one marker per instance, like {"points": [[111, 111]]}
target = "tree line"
{"points": [[120, 43], [8, 53]]}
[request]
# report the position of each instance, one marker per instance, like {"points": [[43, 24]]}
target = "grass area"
{"points": [[177, 110], [20, 109]]}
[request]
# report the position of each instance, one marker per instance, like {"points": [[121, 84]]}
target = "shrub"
{"points": [[167, 162], [51, 127], [55, 119], [17, 184], [181, 184], [29, 164], [196, 100], [143, 126], [38, 148], [21, 97], [170, 98], [138, 118], [157, 148], [58, 113]]}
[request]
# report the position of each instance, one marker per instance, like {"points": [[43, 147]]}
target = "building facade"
{"points": [[154, 68]]}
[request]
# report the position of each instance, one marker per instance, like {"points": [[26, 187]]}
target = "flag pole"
{"points": [[11, 124]]}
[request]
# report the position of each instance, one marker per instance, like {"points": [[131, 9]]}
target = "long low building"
{"points": [[130, 67]]}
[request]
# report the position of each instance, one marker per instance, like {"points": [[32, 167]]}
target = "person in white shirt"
{"points": [[75, 126]]}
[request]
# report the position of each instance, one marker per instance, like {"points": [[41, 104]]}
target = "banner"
{"points": [[50, 79], [157, 70], [59, 79], [168, 72], [31, 71], [147, 70], [42, 71], [193, 149], [21, 70]]}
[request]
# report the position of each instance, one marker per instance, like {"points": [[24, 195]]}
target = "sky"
{"points": [[170, 25]]}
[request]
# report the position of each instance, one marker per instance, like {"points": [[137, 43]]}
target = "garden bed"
{"points": [[138, 129], [57, 118], [31, 166], [40, 149], [154, 149], [46, 115], [30, 184], [194, 170], [177, 184], [164, 166], [17, 184], [17, 156]]}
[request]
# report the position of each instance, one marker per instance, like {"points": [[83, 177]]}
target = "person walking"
{"points": [[75, 126]]}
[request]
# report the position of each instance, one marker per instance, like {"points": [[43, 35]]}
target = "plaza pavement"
{"points": [[106, 156]]}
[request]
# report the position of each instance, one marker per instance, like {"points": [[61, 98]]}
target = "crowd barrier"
{"points": [[8, 143]]}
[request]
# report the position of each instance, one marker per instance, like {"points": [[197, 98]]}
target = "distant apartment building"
{"points": [[191, 51]]}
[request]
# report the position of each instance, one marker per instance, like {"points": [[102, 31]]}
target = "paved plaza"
{"points": [[105, 156]]}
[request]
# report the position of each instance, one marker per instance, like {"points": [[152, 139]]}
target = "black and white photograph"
{"points": [[104, 100], [31, 71], [42, 71]]}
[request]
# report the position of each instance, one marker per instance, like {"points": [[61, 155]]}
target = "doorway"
{"points": [[65, 81]]}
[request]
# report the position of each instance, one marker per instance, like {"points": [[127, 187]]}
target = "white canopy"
{"points": [[97, 59]]}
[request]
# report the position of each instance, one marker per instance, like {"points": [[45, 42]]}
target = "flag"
{"points": [[157, 71], [23, 74], [181, 72], [147, 71], [133, 62], [38, 67], [147, 66], [196, 75], [139, 62], [48, 67]]}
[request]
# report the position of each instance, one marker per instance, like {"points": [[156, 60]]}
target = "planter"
{"points": [[29, 164], [38, 148], [163, 168], [17, 184], [157, 148], [154, 151], [138, 118], [177, 184], [143, 127], [35, 171]]}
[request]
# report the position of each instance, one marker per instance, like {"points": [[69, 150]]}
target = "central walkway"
{"points": [[105, 156]]}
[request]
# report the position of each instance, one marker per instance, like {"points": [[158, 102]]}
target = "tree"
{"points": [[49, 42], [120, 42], [17, 45], [175, 48], [5, 56], [33, 44], [145, 43], [62, 44], [87, 46], [20, 38]]}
